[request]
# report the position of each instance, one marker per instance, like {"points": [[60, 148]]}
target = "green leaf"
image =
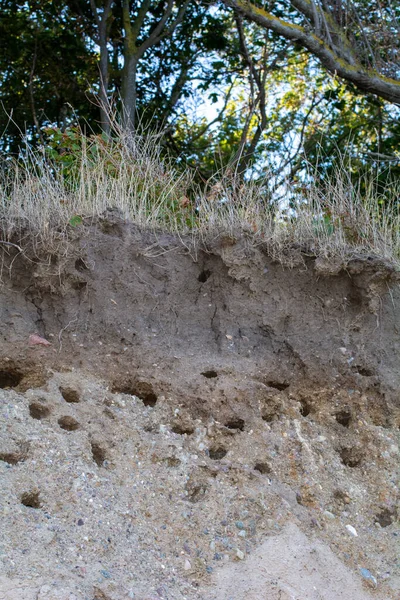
{"points": [[75, 221]]}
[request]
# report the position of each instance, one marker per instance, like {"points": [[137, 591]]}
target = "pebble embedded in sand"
{"points": [[351, 530]]}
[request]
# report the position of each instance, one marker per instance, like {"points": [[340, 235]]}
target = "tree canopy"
{"points": [[266, 87]]}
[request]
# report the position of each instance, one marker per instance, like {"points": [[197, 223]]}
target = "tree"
{"points": [[357, 42], [46, 69]]}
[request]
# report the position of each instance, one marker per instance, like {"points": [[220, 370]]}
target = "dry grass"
{"points": [[43, 201]]}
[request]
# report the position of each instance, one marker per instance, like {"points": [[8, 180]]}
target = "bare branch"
{"points": [[367, 80]]}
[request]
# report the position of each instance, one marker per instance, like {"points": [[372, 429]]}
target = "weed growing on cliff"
{"points": [[50, 194]]}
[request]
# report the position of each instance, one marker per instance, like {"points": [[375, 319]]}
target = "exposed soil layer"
{"points": [[205, 424]]}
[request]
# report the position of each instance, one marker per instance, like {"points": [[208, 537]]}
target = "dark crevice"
{"points": [[31, 499], [263, 468], [210, 374], [217, 453], [204, 275], [141, 389], [343, 417], [10, 378], [277, 385], [99, 454], [235, 423]]}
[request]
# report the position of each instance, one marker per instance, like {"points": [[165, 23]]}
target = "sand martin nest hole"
{"points": [[99, 454], [70, 395], [204, 275], [68, 423], [141, 389], [182, 429], [13, 458], [386, 517], [278, 385], [210, 374], [343, 417], [305, 408], [235, 423], [10, 378], [364, 371], [217, 452], [172, 461], [263, 468], [39, 411], [80, 265], [351, 457], [31, 499]]}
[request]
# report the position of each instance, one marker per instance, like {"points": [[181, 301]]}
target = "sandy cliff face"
{"points": [[204, 423]]}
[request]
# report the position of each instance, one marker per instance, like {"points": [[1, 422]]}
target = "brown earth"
{"points": [[206, 424]]}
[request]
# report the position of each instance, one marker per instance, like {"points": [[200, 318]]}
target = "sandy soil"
{"points": [[202, 424]]}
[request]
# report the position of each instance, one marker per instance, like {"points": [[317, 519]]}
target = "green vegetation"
{"points": [[199, 117], [48, 197]]}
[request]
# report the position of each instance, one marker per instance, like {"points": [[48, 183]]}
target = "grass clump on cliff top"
{"points": [[47, 193]]}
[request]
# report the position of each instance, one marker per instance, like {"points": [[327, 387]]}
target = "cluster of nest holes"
{"points": [[217, 452], [38, 410], [211, 374], [31, 499], [204, 275], [99, 454], [351, 457], [235, 423], [141, 389], [70, 395], [10, 378], [343, 417], [68, 423]]}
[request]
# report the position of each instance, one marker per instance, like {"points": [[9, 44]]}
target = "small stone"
{"points": [[187, 565], [80, 522], [239, 554], [239, 524], [367, 575], [242, 533], [328, 514], [105, 574], [351, 530], [343, 350], [209, 569]]}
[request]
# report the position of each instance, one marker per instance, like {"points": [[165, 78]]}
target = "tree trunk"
{"points": [[104, 77], [129, 93]]}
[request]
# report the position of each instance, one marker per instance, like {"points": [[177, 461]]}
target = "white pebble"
{"points": [[351, 530]]}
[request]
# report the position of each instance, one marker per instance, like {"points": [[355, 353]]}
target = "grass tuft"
{"points": [[48, 193]]}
